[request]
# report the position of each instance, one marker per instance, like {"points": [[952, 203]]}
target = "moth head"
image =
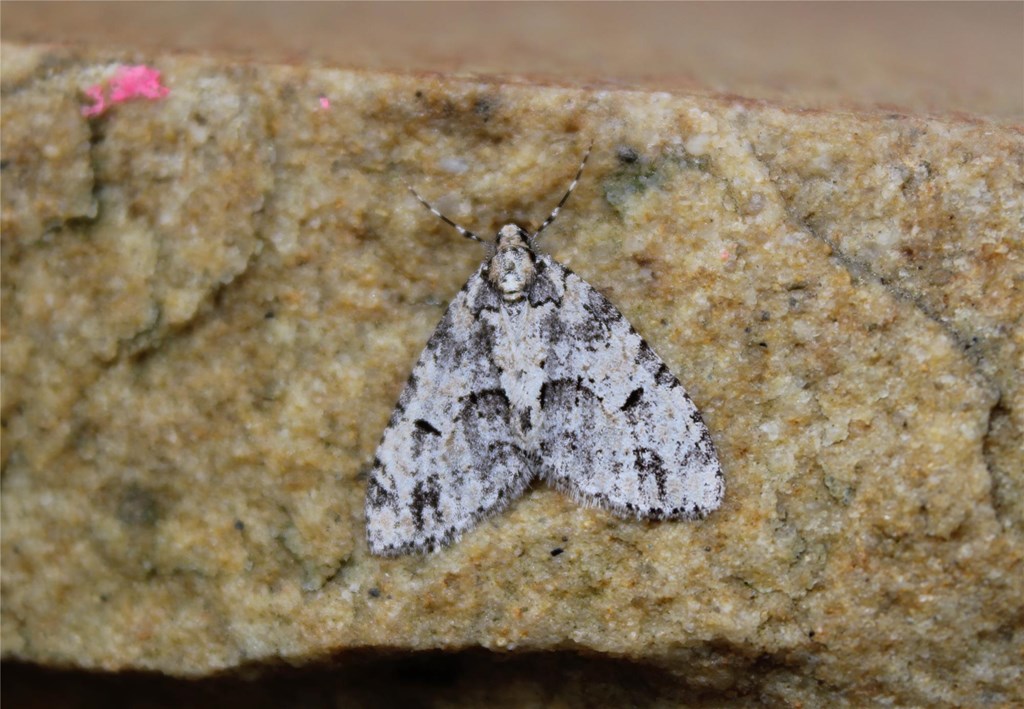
{"points": [[511, 236], [511, 269]]}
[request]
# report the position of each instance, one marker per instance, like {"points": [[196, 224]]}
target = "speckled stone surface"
{"points": [[210, 304]]}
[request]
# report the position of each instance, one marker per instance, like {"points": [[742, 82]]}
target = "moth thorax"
{"points": [[511, 269]]}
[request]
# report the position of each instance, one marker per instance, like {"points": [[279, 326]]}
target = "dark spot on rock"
{"points": [[484, 107], [374, 592], [239, 525], [269, 315], [138, 507], [701, 163], [556, 551], [626, 155]]}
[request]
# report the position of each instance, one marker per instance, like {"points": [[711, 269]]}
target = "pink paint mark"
{"points": [[128, 82], [325, 103], [136, 82], [99, 103], [725, 255]]}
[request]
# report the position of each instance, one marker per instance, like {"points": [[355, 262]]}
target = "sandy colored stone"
{"points": [[209, 311]]}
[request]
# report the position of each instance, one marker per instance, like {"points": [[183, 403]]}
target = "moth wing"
{"points": [[618, 429], [448, 455]]}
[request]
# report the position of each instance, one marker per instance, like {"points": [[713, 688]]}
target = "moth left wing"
{"points": [[618, 429], [449, 455]]}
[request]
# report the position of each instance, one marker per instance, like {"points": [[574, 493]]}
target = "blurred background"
{"points": [[917, 57]]}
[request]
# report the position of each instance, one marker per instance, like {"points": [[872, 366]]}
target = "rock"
{"points": [[211, 302]]}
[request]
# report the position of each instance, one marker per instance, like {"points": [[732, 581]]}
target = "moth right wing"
{"points": [[619, 430], [449, 454]]}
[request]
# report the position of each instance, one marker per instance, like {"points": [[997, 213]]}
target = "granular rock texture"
{"points": [[210, 304]]}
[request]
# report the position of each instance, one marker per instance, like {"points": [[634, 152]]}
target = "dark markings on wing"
{"points": [[449, 456], [426, 427], [633, 399], [618, 428], [426, 496], [543, 289]]}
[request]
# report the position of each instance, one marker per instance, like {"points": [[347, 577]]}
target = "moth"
{"points": [[532, 373]]}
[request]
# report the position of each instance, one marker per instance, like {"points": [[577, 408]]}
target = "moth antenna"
{"points": [[465, 232], [572, 186]]}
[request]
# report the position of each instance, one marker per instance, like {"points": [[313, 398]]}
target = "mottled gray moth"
{"points": [[533, 373]]}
